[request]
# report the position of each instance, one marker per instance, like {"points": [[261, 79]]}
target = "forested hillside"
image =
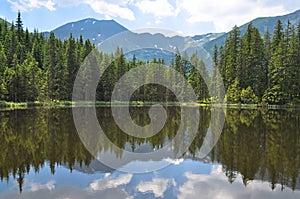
{"points": [[33, 67], [257, 68], [38, 68]]}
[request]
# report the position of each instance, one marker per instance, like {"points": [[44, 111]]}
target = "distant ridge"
{"points": [[261, 23], [162, 46], [93, 29]]}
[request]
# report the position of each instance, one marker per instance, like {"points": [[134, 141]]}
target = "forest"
{"points": [[254, 68]]}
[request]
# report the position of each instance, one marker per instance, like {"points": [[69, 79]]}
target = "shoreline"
{"points": [[69, 104]]}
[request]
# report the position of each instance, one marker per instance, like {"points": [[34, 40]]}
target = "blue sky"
{"points": [[184, 16]]}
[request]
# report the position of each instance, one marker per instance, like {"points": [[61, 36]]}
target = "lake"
{"points": [[257, 155]]}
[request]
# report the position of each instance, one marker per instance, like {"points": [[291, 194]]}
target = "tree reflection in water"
{"points": [[258, 144]]}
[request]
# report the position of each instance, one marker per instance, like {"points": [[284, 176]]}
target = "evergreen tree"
{"points": [[31, 75], [233, 93], [214, 71], [20, 48], [277, 35], [232, 50], [72, 63], [3, 66], [50, 63], [275, 94], [197, 77], [267, 48], [251, 71], [248, 96]]}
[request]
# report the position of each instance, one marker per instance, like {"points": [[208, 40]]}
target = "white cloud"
{"points": [[174, 161], [25, 5], [68, 192], [48, 186], [159, 8], [110, 182], [157, 186], [109, 8], [226, 14], [216, 186]]}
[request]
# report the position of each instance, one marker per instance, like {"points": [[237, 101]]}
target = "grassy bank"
{"points": [[53, 104]]}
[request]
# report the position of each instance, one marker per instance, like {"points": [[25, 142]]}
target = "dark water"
{"points": [[257, 156]]}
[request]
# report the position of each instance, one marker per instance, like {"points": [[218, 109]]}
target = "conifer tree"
{"points": [[3, 66]]}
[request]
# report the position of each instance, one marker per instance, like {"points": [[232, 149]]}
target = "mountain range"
{"points": [[147, 45], [143, 45]]}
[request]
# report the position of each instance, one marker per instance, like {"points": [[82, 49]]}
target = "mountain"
{"points": [[262, 24], [95, 30], [93, 167], [9, 24], [207, 37], [144, 45]]}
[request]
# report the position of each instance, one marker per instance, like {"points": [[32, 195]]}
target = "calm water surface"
{"points": [[257, 156]]}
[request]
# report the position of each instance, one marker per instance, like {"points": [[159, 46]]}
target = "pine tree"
{"points": [[248, 96], [14, 81], [283, 67], [232, 50], [251, 70], [197, 76], [233, 93], [214, 71], [290, 85], [31, 76], [267, 48], [37, 49], [10, 44], [3, 66], [275, 94], [277, 36], [50, 63], [19, 26], [20, 48], [72, 63]]}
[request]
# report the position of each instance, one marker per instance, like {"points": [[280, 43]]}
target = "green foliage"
{"points": [[260, 145], [269, 66], [197, 77], [248, 96], [274, 95], [233, 93], [33, 67]]}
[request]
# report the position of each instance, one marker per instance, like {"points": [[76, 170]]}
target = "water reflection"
{"points": [[258, 149]]}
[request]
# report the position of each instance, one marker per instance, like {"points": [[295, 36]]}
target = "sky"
{"points": [[188, 17]]}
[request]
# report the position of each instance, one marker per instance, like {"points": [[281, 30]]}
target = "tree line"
{"points": [[257, 68], [253, 68], [38, 68]]}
